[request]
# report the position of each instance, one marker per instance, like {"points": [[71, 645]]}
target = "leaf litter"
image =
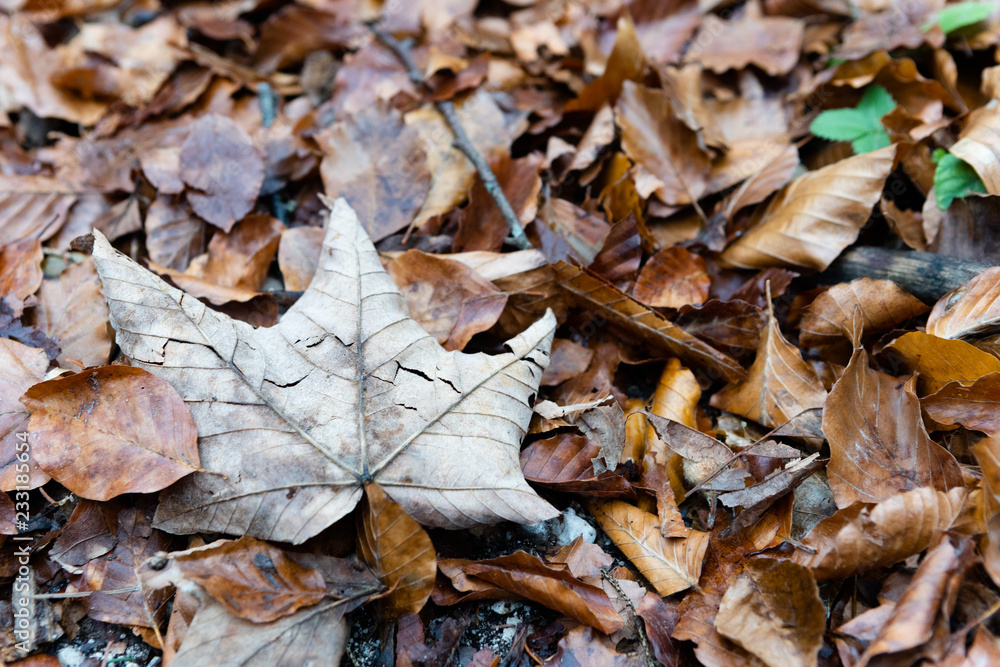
{"points": [[529, 333]]}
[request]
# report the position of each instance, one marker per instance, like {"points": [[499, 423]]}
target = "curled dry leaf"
{"points": [[814, 217], [866, 536], [593, 292], [670, 564], [971, 310], [111, 430], [398, 551], [619, 257], [979, 146], [759, 498], [311, 386], [250, 578], [732, 326], [925, 607], [975, 406], [773, 610], [72, 311], [940, 360], [673, 164], [565, 463], [626, 63], [554, 587], [781, 385], [878, 443], [451, 301], [482, 226], [221, 165], [20, 367], [882, 305], [672, 278], [90, 533], [242, 257]]}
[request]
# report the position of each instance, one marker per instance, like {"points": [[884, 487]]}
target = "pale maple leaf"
{"points": [[346, 389]]}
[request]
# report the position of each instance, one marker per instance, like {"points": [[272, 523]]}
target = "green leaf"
{"points": [[962, 14], [954, 179], [861, 125]]}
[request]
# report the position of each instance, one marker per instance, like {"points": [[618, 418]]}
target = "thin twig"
{"points": [[462, 141], [640, 630]]}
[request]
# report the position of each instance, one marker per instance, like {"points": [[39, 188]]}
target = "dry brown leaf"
{"points": [[582, 233], [732, 326], [865, 536], [242, 257], [814, 217], [940, 360], [298, 255], [250, 578], [72, 311], [554, 587], [619, 308], [771, 177], [565, 463], [20, 367], [451, 301], [769, 42], [971, 310], [111, 430], [975, 406], [781, 385], [377, 164], [670, 564], [987, 453], [567, 360], [774, 611], [881, 304], [626, 63], [583, 646], [444, 444], [315, 635], [89, 534], [398, 551], [33, 207], [978, 145], [452, 173], [20, 269], [222, 168], [759, 498], [174, 235], [619, 257], [878, 443], [897, 25], [672, 278], [599, 135], [673, 164], [922, 614], [482, 225]]}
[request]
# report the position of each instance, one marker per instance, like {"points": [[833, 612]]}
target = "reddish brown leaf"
{"points": [[89, 534], [398, 551], [565, 463], [556, 588], [73, 311], [672, 278], [975, 406], [242, 257], [732, 326], [878, 443], [250, 578], [987, 453], [111, 430], [482, 226], [771, 42], [20, 367], [20, 269], [451, 301], [566, 360], [865, 536], [619, 258], [219, 162], [881, 304]]}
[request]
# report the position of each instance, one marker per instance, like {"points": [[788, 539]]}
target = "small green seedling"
{"points": [[861, 125], [961, 15], [953, 179]]}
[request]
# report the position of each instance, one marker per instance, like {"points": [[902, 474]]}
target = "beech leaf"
{"points": [[346, 389]]}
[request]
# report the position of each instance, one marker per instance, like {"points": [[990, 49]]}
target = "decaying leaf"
{"points": [[814, 217], [111, 430], [774, 611], [20, 367], [975, 406], [312, 384], [398, 551], [987, 452], [971, 310], [672, 278], [72, 311], [878, 443], [565, 463], [938, 361], [670, 564]]}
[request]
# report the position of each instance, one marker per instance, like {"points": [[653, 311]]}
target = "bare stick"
{"points": [[462, 141]]}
